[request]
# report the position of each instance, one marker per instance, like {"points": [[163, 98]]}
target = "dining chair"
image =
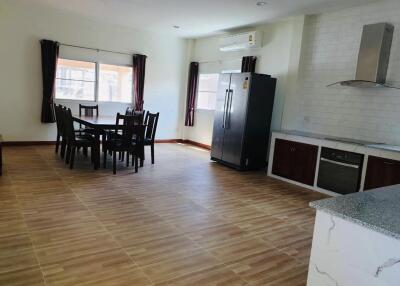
{"points": [[89, 111], [130, 140], [129, 111], [57, 110], [76, 140], [151, 122]]}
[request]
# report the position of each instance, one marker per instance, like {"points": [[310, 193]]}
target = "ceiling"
{"points": [[195, 18]]}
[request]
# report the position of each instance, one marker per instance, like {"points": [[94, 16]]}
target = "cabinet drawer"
{"points": [[381, 172], [295, 161]]}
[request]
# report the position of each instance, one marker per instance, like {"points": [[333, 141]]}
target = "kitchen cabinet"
{"points": [[295, 161], [381, 173]]}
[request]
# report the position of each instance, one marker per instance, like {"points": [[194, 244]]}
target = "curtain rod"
{"points": [[93, 49]]}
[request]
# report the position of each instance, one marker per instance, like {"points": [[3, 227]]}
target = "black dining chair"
{"points": [[57, 110], [151, 122], [130, 140], [76, 140], [89, 111]]}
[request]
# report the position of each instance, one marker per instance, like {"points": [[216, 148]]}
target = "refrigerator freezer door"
{"points": [[220, 116], [236, 118]]}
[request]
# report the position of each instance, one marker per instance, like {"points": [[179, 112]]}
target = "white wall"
{"points": [[22, 25], [277, 57], [330, 52]]}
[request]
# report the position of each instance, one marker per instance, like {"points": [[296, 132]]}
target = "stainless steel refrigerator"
{"points": [[242, 120]]}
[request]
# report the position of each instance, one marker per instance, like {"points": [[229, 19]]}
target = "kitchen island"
{"points": [[357, 240]]}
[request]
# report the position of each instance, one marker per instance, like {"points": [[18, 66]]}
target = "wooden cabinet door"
{"points": [[282, 164], [381, 173], [304, 163]]}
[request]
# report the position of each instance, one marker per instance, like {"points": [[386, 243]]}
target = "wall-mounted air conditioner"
{"points": [[240, 41]]}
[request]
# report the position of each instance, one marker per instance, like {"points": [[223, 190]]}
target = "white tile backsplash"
{"points": [[329, 54]]}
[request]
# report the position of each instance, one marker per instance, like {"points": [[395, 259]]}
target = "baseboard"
{"points": [[36, 143], [27, 143], [167, 141], [194, 143]]}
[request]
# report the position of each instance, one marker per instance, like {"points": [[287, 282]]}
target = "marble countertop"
{"points": [[374, 145], [378, 209]]}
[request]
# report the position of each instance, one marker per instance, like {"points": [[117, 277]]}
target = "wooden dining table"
{"points": [[99, 124]]}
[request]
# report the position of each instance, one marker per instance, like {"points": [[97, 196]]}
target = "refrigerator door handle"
{"points": [[225, 107], [229, 108]]}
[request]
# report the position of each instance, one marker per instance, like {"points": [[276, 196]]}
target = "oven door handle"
{"points": [[340, 163]]}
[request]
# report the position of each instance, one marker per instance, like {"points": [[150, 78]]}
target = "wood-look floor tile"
{"points": [[239, 249], [145, 233], [95, 269], [290, 239], [162, 249], [80, 246], [261, 265], [215, 276], [25, 277], [60, 234], [217, 235], [14, 244], [285, 276], [174, 268], [19, 261]]}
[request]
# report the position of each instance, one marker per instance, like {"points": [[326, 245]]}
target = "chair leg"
{"points": [[72, 160], [114, 162], [68, 154], [136, 164], [92, 154], [63, 146], [57, 142], [85, 151], [152, 153], [133, 159], [104, 158], [127, 159]]}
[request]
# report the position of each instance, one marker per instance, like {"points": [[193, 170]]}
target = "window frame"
{"points": [[96, 83], [199, 91]]}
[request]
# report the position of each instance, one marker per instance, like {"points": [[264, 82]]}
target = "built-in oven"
{"points": [[340, 171]]}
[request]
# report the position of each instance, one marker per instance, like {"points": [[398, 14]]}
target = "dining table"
{"points": [[98, 124]]}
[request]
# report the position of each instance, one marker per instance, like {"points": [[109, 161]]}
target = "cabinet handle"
{"points": [[388, 163]]}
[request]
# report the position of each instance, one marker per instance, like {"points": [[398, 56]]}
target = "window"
{"points": [[80, 80], [75, 80], [207, 91], [115, 83]]}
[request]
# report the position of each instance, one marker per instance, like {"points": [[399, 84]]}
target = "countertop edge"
{"points": [[355, 220]]}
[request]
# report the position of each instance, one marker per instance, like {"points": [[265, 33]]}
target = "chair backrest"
{"points": [[88, 110], [140, 115], [151, 122], [57, 109], [127, 124], [68, 123], [129, 111]]}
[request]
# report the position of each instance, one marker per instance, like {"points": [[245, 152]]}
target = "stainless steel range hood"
{"points": [[373, 57]]}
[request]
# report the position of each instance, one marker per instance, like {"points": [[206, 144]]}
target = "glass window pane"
{"points": [[115, 83], [75, 80], [207, 91]]}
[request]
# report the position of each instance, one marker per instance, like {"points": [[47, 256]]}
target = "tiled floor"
{"points": [[183, 221]]}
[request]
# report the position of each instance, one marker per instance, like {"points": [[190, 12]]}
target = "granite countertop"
{"points": [[374, 145], [377, 209]]}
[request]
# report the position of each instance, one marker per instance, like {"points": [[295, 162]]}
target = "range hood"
{"points": [[373, 57]]}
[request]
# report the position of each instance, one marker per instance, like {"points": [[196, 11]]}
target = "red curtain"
{"points": [[191, 93], [50, 51], [249, 64], [139, 68]]}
